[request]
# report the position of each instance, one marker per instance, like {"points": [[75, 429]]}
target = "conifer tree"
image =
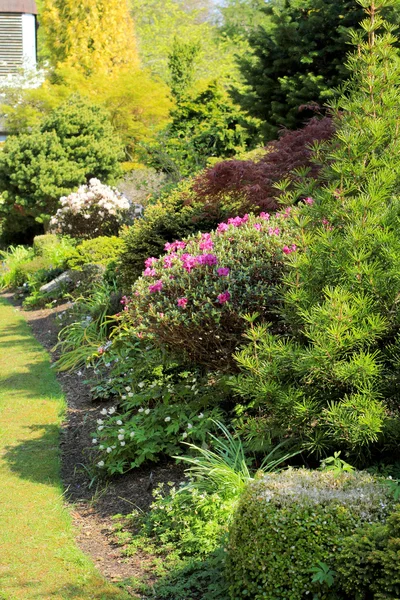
{"points": [[90, 35], [297, 58], [331, 382]]}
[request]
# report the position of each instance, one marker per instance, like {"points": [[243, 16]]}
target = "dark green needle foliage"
{"points": [[297, 58]]}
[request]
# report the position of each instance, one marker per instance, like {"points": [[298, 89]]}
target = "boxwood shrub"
{"points": [[289, 522], [100, 251]]}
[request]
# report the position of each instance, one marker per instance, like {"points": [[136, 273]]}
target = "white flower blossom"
{"points": [[141, 410], [100, 421], [190, 426], [119, 422], [121, 437], [94, 441], [109, 450], [147, 411], [111, 410], [100, 463], [103, 411], [100, 428]]}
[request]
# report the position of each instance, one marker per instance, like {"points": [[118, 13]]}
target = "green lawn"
{"points": [[38, 555]]}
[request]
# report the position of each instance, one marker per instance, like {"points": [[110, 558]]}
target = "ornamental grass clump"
{"points": [[192, 299], [289, 522], [94, 210]]}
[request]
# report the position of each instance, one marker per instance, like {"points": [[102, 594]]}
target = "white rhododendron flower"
{"points": [[93, 207]]}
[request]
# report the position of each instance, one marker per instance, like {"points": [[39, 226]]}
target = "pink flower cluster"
{"points": [[274, 231], [289, 250], [150, 262], [156, 287], [149, 272], [177, 245], [206, 242], [223, 298], [182, 302]]}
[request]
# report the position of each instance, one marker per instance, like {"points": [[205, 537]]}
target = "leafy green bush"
{"points": [[100, 251], [81, 339], [289, 522], [43, 243], [73, 144], [167, 220], [368, 566], [193, 299]]}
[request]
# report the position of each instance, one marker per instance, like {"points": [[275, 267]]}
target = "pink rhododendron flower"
{"points": [[225, 297], [274, 231], [223, 271], [238, 221], [182, 302], [168, 261], [289, 250], [124, 300], [150, 262], [208, 259], [206, 245], [309, 201], [174, 246], [257, 226], [189, 262], [206, 242], [287, 212], [222, 227], [156, 287], [149, 272], [265, 216]]}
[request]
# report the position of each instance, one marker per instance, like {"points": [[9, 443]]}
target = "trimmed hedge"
{"points": [[288, 522]]}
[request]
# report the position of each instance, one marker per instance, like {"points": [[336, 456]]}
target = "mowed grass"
{"points": [[38, 555]]}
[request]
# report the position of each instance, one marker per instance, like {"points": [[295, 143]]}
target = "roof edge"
{"points": [[18, 6]]}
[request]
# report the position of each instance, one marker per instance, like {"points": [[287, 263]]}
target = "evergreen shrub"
{"points": [[193, 299], [331, 381], [100, 251], [369, 562], [289, 522], [74, 144], [168, 219]]}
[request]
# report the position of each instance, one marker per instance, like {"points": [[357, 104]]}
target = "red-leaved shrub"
{"points": [[251, 184]]}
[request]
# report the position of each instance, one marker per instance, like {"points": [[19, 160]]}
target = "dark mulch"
{"points": [[94, 502]]}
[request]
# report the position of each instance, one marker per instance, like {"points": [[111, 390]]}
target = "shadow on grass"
{"points": [[31, 381], [37, 459]]}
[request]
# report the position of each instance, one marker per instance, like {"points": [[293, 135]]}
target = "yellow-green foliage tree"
{"points": [[91, 45], [90, 35]]}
